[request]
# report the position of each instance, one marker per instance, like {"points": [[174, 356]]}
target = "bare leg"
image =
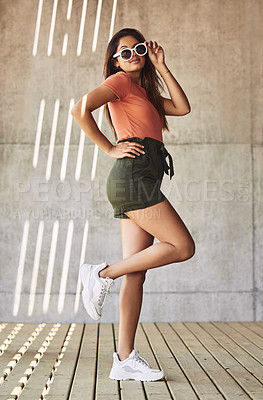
{"points": [[134, 239], [162, 222]]}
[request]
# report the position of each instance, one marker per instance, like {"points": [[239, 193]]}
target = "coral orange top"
{"points": [[132, 113]]}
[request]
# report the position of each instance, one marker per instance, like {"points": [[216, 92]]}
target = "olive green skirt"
{"points": [[135, 183]]}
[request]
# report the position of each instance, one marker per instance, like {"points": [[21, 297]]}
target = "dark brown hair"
{"points": [[150, 80]]}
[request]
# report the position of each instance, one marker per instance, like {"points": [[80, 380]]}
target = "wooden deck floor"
{"points": [[205, 360]]}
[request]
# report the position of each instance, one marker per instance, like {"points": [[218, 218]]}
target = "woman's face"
{"points": [[136, 63]]}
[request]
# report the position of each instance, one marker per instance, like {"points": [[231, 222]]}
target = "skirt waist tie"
{"points": [[167, 166]]}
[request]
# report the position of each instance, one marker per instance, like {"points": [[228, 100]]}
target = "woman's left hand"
{"points": [[156, 53]]}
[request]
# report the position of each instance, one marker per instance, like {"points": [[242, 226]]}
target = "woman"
{"points": [[136, 112]]}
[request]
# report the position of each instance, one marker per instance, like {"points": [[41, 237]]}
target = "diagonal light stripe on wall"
{"points": [[65, 40], [69, 9], [66, 143], [96, 148], [52, 140], [81, 28], [64, 275], [65, 44], [94, 163], [38, 132], [113, 13], [52, 28], [20, 269], [39, 13], [50, 268], [82, 259], [33, 286], [80, 154], [70, 229], [96, 28]]}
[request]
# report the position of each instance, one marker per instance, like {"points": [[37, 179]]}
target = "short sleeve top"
{"points": [[132, 113]]}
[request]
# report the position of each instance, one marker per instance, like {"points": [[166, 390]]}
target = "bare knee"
{"points": [[183, 251], [186, 250]]}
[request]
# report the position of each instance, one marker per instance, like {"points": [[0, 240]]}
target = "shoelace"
{"points": [[140, 359], [105, 290]]}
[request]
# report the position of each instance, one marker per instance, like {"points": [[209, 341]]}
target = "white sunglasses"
{"points": [[126, 54]]}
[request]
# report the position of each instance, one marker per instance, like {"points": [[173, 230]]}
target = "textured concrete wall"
{"points": [[49, 222]]}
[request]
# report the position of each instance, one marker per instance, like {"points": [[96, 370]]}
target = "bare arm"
{"points": [[82, 113], [178, 104]]}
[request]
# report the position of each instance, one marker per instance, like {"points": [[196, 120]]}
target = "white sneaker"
{"points": [[95, 288], [134, 367]]}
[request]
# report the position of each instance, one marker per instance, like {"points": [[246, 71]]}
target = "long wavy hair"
{"points": [[150, 80]]}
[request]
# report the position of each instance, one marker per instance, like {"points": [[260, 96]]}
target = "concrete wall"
{"points": [[48, 223]]}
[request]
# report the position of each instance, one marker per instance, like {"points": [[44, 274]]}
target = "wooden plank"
{"points": [[38, 379], [191, 354], [12, 356], [129, 389], [84, 380], [253, 366], [222, 380], [253, 326], [3, 325], [249, 384], [176, 380], [154, 390], [5, 331], [19, 371], [242, 341], [248, 333], [63, 372], [106, 388], [198, 379], [11, 341]]}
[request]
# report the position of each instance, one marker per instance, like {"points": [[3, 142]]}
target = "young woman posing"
{"points": [[136, 112]]}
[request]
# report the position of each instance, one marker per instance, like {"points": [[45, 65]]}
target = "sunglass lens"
{"points": [[141, 49], [126, 54]]}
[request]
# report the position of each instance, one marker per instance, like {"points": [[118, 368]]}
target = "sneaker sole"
{"points": [[123, 376], [89, 306], [91, 310]]}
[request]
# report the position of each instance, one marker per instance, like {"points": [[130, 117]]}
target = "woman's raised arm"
{"points": [[178, 104]]}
